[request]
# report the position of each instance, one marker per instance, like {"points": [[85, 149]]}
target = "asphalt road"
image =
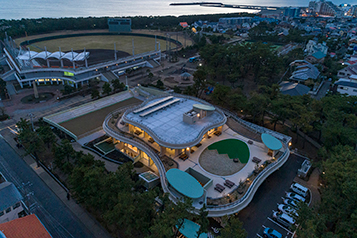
{"points": [[268, 195], [322, 92], [40, 199]]}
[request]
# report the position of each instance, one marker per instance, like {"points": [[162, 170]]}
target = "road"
{"points": [[322, 92], [268, 195], [53, 213]]}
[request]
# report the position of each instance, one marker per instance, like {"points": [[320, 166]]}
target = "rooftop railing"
{"points": [[161, 140]]}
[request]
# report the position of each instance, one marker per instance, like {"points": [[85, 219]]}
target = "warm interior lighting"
{"points": [[290, 143], [198, 115], [188, 148]]}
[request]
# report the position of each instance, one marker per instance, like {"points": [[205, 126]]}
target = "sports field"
{"points": [[233, 148], [123, 43], [94, 120]]}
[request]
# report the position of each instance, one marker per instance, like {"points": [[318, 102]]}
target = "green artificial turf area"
{"points": [[233, 148]]}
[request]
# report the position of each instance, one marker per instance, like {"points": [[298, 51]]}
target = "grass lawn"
{"points": [[233, 148], [123, 43], [93, 120]]}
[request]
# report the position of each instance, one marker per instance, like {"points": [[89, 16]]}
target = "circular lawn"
{"points": [[225, 157]]}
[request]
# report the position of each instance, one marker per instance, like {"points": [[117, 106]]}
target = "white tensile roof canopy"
{"points": [[71, 56]]}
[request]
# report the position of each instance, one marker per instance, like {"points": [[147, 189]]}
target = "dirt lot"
{"points": [[93, 120]]}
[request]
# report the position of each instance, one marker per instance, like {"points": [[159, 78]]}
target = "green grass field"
{"points": [[233, 148], [94, 120], [123, 43]]}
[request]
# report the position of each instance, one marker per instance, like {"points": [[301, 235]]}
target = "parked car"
{"points": [[299, 189], [283, 218], [295, 196], [271, 233], [288, 210], [290, 202]]}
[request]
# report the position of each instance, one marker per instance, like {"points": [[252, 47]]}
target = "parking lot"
{"points": [[259, 212]]}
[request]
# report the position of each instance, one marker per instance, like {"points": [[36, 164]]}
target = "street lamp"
{"points": [[31, 118]]}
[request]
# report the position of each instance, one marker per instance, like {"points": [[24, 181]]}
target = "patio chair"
{"points": [[220, 186]]}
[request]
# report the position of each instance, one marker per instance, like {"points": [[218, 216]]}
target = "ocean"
{"points": [[17, 9]]}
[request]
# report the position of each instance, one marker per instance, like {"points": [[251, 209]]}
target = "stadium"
{"points": [[75, 59]]}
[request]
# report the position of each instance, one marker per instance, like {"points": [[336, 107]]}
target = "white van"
{"points": [[283, 218], [299, 189]]}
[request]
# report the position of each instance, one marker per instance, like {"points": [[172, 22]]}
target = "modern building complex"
{"points": [[119, 24], [188, 146]]}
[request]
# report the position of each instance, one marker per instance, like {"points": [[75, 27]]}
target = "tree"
{"points": [[336, 216], [220, 94], [199, 78], [160, 84], [171, 216], [150, 76], [3, 90], [106, 88], [202, 221], [32, 143], [117, 85], [258, 105], [46, 135], [67, 89], [95, 93], [23, 125], [233, 228], [177, 89]]}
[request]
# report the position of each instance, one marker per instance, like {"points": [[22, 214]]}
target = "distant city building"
{"points": [[292, 12], [325, 8], [234, 21], [119, 24]]}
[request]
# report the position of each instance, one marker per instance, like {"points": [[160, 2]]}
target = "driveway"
{"points": [[268, 195]]}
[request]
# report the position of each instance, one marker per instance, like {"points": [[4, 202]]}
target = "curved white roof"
{"points": [[81, 56], [28, 55], [72, 56], [42, 55], [58, 55]]}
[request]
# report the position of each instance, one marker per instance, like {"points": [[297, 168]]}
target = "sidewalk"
{"points": [[90, 222]]}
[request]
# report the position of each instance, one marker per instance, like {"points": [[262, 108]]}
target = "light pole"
{"points": [[31, 118]]}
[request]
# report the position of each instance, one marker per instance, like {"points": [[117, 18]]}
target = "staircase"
{"points": [[110, 76]]}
